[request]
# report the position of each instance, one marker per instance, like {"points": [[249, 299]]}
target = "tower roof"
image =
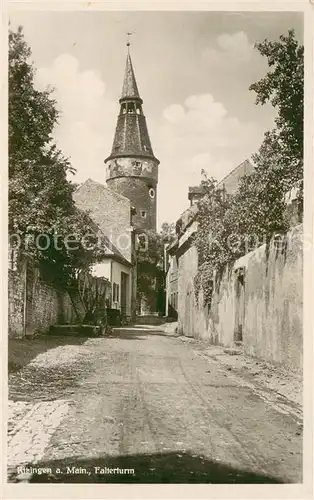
{"points": [[129, 89], [131, 135]]}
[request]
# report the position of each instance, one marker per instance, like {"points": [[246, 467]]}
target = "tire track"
{"points": [[249, 459], [134, 414]]}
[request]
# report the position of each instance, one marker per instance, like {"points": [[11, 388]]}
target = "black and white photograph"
{"points": [[157, 247]]}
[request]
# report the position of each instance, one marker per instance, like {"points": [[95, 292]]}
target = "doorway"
{"points": [[124, 293], [239, 304]]}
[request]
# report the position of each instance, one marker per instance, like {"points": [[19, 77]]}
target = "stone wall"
{"points": [[187, 307], [269, 308], [35, 305], [132, 167], [48, 307], [138, 191], [16, 303]]}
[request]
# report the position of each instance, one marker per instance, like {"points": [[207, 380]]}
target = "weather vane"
{"points": [[128, 34]]}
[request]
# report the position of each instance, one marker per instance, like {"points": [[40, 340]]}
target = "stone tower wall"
{"points": [[136, 179]]}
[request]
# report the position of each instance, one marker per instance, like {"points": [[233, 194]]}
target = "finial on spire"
{"points": [[128, 43]]}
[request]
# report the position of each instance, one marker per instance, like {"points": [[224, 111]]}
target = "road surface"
{"points": [[144, 406]]}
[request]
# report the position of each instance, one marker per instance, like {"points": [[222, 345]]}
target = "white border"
{"points": [[184, 491]]}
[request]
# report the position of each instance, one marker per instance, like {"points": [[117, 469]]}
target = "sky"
{"points": [[193, 71]]}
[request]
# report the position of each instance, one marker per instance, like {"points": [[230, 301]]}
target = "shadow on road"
{"points": [[22, 351], [172, 467]]}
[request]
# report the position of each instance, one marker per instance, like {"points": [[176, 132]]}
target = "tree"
{"points": [[168, 232], [283, 87], [280, 158], [150, 265], [40, 196], [229, 227], [259, 205]]}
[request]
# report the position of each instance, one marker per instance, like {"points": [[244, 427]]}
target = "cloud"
{"points": [[201, 126], [232, 49], [87, 119], [194, 135], [174, 113], [237, 45]]}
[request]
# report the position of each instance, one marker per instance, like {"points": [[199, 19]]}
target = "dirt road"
{"points": [[149, 408]]}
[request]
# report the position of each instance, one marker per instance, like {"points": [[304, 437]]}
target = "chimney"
{"points": [[195, 194]]}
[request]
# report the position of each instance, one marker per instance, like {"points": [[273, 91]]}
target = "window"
{"points": [[115, 292], [143, 214], [151, 192], [137, 163]]}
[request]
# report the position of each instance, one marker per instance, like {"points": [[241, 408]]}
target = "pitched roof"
{"points": [[186, 218], [102, 188], [129, 89], [196, 190], [131, 134], [112, 251], [230, 183], [105, 208]]}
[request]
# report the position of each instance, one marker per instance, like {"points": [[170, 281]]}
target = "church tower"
{"points": [[132, 168]]}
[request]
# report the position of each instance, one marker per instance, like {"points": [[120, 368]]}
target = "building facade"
{"points": [[171, 271], [112, 214]]}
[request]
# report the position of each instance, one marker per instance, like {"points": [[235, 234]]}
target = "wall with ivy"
{"points": [[272, 301]]}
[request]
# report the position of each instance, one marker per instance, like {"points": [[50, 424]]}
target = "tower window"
{"points": [[138, 109], [143, 214], [151, 192]]}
